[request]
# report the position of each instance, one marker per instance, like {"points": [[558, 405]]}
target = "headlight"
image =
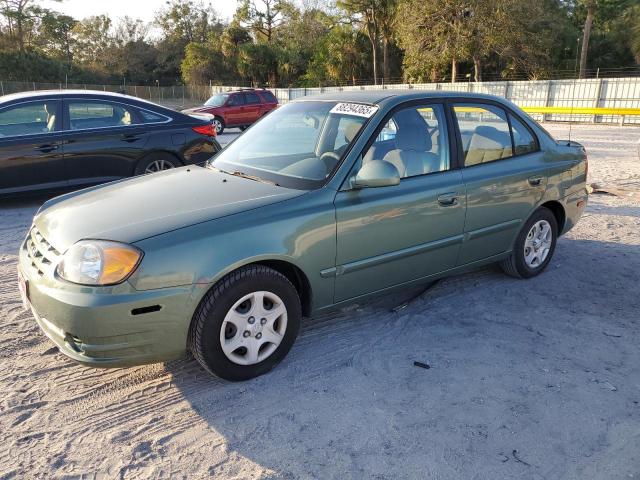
{"points": [[98, 262]]}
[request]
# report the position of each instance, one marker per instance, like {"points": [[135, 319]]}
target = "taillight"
{"points": [[209, 130]]}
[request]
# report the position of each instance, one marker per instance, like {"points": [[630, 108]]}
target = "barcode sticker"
{"points": [[357, 109]]}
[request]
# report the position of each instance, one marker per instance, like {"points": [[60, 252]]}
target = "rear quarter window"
{"points": [[268, 97]]}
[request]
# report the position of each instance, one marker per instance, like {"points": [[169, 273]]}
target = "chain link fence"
{"points": [[594, 93]]}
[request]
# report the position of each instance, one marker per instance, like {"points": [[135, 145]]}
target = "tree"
{"points": [[55, 36], [19, 16], [590, 6], [93, 43], [339, 58], [368, 12], [433, 34]]}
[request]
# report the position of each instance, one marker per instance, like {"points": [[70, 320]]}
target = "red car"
{"points": [[238, 108]]}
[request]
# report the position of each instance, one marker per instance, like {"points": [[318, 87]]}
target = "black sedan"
{"points": [[63, 139]]}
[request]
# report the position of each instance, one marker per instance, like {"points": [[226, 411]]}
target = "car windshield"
{"points": [[217, 100], [298, 145]]}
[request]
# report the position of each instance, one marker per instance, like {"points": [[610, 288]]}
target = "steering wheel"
{"points": [[330, 159]]}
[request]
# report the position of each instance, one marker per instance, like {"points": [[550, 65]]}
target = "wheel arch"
{"points": [[284, 266], [558, 212], [296, 276]]}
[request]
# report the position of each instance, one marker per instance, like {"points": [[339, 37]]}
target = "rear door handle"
{"points": [[448, 199], [46, 148], [535, 181], [130, 137]]}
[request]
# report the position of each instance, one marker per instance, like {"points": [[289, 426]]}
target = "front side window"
{"points": [[299, 145], [414, 140], [236, 100], [217, 100], [29, 118], [86, 115]]}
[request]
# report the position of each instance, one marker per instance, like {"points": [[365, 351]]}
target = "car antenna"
{"points": [[573, 100]]}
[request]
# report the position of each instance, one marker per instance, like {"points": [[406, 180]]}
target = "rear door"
{"points": [[31, 151], [103, 141], [392, 235], [504, 173], [253, 107]]}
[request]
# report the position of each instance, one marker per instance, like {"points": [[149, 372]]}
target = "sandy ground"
{"points": [[536, 379]]}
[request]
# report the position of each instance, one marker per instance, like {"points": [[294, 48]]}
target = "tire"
{"points": [[526, 260], [219, 125], [155, 162], [223, 319], [243, 128]]}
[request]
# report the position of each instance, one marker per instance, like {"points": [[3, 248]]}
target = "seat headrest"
{"points": [[351, 131], [489, 137], [414, 137]]}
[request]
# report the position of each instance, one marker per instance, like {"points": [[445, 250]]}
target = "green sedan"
{"points": [[328, 200]]}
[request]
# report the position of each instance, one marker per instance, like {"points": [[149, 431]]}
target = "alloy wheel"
{"points": [[538, 244], [158, 166]]}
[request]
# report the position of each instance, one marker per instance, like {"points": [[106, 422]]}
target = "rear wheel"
{"points": [[246, 324], [218, 124], [157, 162], [534, 246], [243, 128]]}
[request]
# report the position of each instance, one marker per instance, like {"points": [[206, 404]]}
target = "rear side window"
{"points": [[489, 135], [252, 97], [485, 133], [523, 141], [29, 118], [83, 115], [269, 97]]}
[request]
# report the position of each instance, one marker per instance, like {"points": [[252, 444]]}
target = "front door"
{"points": [[235, 110], [31, 151], [505, 177], [104, 140], [392, 235]]}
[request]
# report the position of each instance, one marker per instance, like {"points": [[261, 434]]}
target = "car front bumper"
{"points": [[110, 326]]}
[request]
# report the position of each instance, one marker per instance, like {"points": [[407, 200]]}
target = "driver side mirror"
{"points": [[376, 173]]}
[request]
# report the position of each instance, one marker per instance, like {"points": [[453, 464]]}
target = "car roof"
{"points": [[379, 96], [72, 93]]}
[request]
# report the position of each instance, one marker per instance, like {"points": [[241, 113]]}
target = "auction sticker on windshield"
{"points": [[357, 109]]}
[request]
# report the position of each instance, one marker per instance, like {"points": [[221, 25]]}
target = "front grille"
{"points": [[40, 252]]}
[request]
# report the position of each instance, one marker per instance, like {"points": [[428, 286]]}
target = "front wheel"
{"points": [[246, 324], [534, 246]]}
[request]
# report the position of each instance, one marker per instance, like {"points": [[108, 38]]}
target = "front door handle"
{"points": [[448, 199], [46, 148], [535, 181]]}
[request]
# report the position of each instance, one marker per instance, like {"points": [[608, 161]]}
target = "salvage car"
{"points": [[237, 108], [333, 199], [63, 139]]}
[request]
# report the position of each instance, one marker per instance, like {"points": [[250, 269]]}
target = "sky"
{"points": [[143, 9]]}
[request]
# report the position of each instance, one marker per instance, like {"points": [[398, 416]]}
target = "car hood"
{"points": [[141, 207]]}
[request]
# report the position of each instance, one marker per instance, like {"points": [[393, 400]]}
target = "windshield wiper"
{"points": [[238, 173]]}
